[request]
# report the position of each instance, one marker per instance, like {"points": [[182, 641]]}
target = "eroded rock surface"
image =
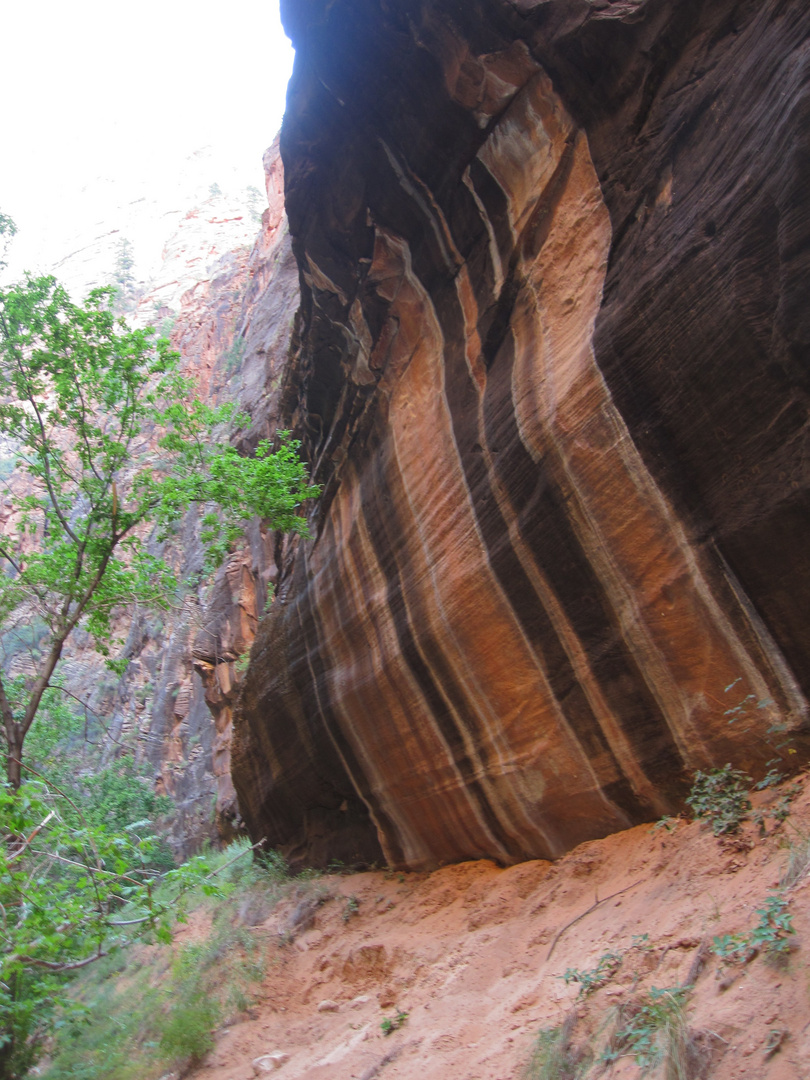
{"points": [[552, 375], [233, 333]]}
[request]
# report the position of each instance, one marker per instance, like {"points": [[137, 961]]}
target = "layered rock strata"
{"points": [[552, 375]]}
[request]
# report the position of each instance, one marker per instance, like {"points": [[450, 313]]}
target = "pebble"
{"points": [[328, 1006], [268, 1062]]}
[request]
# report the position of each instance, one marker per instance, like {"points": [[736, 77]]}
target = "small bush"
{"points": [[594, 978], [733, 948], [553, 1056], [798, 863], [721, 797], [393, 1023], [775, 927], [652, 1029], [141, 1015], [351, 908], [770, 936], [187, 1030]]}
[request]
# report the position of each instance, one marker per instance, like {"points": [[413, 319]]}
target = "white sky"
{"points": [[101, 90]]}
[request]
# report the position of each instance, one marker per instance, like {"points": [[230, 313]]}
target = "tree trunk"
{"points": [[14, 758]]}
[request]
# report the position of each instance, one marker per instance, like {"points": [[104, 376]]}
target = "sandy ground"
{"points": [[466, 951]]}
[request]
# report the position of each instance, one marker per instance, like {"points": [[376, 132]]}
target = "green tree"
{"points": [[109, 448], [112, 449], [71, 892]]}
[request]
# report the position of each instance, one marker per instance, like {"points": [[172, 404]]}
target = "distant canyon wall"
{"points": [[173, 705], [233, 332], [551, 371]]}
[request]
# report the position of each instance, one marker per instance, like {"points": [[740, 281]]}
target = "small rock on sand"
{"points": [[268, 1062]]}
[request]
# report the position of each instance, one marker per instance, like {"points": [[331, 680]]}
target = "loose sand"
{"points": [[465, 952]]}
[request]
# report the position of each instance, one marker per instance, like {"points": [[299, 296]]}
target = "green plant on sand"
{"points": [[651, 1028], [553, 1055], [140, 1013], [772, 935], [594, 978], [391, 1024], [721, 798]]}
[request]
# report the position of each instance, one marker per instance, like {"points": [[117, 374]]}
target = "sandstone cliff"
{"points": [[233, 333], [551, 372]]}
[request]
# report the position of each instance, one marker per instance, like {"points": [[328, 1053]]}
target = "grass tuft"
{"points": [[150, 1009], [553, 1055], [798, 864]]}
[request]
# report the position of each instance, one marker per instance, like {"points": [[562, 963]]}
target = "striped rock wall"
{"points": [[517, 626]]}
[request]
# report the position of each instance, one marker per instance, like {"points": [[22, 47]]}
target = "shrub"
{"points": [[186, 1030], [393, 1023], [652, 1029], [594, 978], [351, 907], [553, 1056], [771, 935], [187, 1034], [774, 929], [798, 860], [111, 444], [161, 1014], [721, 797]]}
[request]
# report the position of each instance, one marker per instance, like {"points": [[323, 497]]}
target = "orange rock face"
{"points": [[510, 633]]}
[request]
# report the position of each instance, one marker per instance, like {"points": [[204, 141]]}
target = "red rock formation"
{"points": [[551, 375], [233, 333]]}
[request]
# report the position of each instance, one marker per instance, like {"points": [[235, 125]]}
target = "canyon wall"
{"points": [[551, 371], [233, 333]]}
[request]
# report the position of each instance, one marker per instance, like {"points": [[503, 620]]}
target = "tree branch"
{"points": [[89, 869], [593, 907], [45, 460], [43, 680], [67, 798], [21, 851], [52, 966]]}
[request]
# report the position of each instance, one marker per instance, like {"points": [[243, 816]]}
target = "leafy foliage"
{"points": [[161, 1014], [117, 796], [721, 797], [8, 231], [351, 907], [593, 978], [110, 444], [652, 1029], [554, 1057], [105, 449], [125, 297], [732, 947], [187, 1027], [774, 929], [70, 893], [771, 935], [390, 1024]]}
